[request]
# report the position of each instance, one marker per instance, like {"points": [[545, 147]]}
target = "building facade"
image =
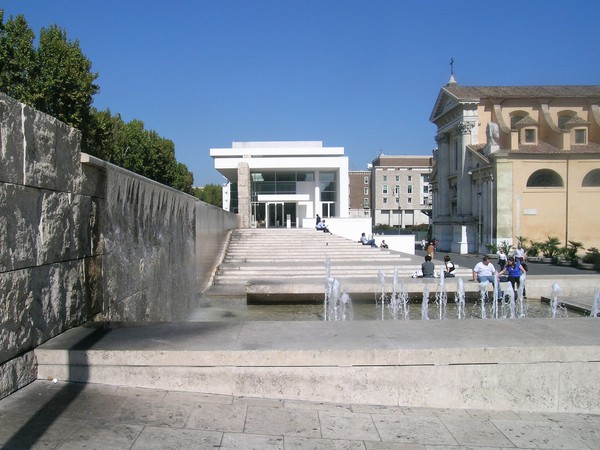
{"points": [[360, 193], [400, 190], [515, 161], [279, 184]]}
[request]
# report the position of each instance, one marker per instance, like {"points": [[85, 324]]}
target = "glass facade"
{"points": [[277, 182]]}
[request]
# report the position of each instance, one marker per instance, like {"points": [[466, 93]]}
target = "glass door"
{"points": [[275, 217]]}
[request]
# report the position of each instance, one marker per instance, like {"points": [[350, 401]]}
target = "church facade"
{"points": [[515, 161]]}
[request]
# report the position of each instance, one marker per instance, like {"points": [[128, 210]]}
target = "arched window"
{"points": [[515, 119], [564, 117], [592, 179], [545, 178]]}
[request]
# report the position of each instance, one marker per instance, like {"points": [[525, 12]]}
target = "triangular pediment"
{"points": [[444, 103]]}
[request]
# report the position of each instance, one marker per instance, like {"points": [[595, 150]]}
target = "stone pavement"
{"points": [[75, 416]]}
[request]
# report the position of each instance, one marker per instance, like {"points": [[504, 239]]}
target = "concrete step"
{"points": [[375, 362], [293, 254]]}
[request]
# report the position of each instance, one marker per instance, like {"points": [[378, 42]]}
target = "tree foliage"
{"points": [[18, 59], [211, 194], [57, 78]]}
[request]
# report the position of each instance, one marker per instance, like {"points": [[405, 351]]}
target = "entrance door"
{"points": [[275, 217], [277, 214]]}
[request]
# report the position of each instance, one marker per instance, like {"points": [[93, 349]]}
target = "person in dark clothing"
{"points": [[427, 267]]}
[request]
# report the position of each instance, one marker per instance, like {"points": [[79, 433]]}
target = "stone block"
{"points": [[41, 302], [40, 166], [11, 140], [489, 386], [17, 373], [579, 387], [52, 152], [19, 218], [68, 154], [93, 181], [357, 385]]}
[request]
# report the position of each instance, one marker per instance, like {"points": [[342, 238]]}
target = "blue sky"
{"points": [[363, 75]]}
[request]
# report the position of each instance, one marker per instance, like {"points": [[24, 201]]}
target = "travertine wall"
{"points": [[88, 241], [50, 260]]}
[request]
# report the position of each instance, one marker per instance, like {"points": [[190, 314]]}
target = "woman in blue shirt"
{"points": [[514, 269]]}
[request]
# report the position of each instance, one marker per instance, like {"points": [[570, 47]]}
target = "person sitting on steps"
{"points": [[322, 227], [364, 241], [428, 267]]}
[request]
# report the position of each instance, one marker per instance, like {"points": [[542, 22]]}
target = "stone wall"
{"points": [[50, 260], [88, 241]]}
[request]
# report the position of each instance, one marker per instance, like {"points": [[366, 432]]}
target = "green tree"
{"points": [[65, 84], [183, 179], [211, 194], [56, 78], [17, 58]]}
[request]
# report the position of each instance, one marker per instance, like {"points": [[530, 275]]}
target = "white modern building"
{"points": [[279, 184]]}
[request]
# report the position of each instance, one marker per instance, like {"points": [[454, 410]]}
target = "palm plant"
{"points": [[550, 248]]}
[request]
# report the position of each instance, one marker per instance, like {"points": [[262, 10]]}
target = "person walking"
{"points": [[501, 258]]}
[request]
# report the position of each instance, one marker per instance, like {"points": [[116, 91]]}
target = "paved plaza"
{"points": [[66, 415], [78, 416]]}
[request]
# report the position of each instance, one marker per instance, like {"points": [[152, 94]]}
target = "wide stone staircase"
{"points": [[275, 264]]}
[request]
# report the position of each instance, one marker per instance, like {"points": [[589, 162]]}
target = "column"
{"points": [[244, 209]]}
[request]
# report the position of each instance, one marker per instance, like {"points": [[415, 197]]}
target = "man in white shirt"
{"points": [[520, 252], [484, 270]]}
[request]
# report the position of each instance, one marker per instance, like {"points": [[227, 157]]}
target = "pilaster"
{"points": [[244, 209]]}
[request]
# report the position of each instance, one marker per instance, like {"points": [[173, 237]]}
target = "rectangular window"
{"points": [[425, 189], [580, 136], [366, 191], [397, 177], [425, 178], [366, 180], [397, 200], [366, 203], [306, 176], [530, 136], [384, 189], [384, 199], [328, 186], [397, 189], [409, 188], [456, 155], [409, 200], [385, 178], [410, 178]]}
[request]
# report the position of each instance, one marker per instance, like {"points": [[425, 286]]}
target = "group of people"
{"points": [[513, 266], [321, 226], [428, 268]]}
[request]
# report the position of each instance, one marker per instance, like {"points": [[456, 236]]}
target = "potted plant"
{"points": [[492, 250], [569, 252], [550, 249], [591, 260], [506, 246], [533, 251]]}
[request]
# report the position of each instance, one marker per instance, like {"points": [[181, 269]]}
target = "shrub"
{"points": [[533, 250], [592, 256], [550, 248], [569, 251], [492, 248], [505, 245]]}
